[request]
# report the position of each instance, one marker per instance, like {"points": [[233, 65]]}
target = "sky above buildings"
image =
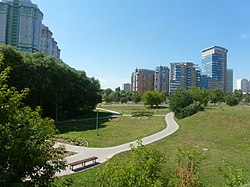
{"points": [[108, 39]]}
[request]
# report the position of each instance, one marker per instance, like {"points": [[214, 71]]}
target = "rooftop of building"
{"points": [[215, 47]]}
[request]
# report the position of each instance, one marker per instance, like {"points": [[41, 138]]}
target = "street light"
{"points": [[97, 134]]}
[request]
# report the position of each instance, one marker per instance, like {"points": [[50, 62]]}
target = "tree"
{"points": [[231, 99], [216, 95], [179, 99], [247, 98], [152, 98], [56, 87], [164, 96], [143, 169], [136, 97], [200, 95], [183, 105], [239, 95], [28, 157], [118, 89]]}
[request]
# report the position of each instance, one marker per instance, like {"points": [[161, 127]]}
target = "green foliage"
{"points": [[233, 176], [200, 95], [136, 97], [121, 96], [28, 157], [247, 98], [59, 89], [189, 110], [152, 98], [216, 96], [231, 99], [182, 103], [239, 95], [179, 99], [74, 140], [143, 168], [189, 162]]}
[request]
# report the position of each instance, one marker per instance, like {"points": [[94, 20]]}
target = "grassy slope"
{"points": [[225, 131]]}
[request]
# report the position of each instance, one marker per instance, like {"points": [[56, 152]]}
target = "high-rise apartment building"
{"points": [[21, 25], [126, 86], [243, 85], [142, 80], [48, 44], [161, 82], [214, 65], [182, 75], [229, 80]]}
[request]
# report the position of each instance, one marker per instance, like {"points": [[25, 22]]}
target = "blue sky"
{"points": [[108, 39]]}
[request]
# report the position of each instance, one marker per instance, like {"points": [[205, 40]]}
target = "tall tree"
{"points": [[28, 157], [152, 98], [55, 86]]}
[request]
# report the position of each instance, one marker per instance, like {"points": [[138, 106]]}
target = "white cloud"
{"points": [[244, 36]]}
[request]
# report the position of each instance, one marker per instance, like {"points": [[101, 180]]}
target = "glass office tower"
{"points": [[214, 65]]}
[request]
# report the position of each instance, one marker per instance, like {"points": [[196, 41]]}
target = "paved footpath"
{"points": [[105, 154]]}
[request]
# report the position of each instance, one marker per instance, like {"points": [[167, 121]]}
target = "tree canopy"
{"points": [[28, 157], [152, 98], [59, 89]]}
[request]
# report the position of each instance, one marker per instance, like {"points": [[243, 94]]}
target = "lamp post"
{"points": [[97, 134]]}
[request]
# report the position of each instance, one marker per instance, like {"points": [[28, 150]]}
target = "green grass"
{"points": [[224, 130], [128, 108], [114, 132]]}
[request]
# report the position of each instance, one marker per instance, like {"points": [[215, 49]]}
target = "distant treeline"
{"points": [[60, 90]]}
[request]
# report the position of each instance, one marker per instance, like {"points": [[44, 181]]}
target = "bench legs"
{"points": [[83, 164]]}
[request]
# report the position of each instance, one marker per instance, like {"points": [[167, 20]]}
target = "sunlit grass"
{"points": [[223, 130]]}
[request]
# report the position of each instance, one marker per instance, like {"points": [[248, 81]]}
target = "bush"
{"points": [[189, 110], [232, 100]]}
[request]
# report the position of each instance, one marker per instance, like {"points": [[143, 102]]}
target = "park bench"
{"points": [[83, 161]]}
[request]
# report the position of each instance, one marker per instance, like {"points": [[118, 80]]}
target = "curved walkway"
{"points": [[104, 154]]}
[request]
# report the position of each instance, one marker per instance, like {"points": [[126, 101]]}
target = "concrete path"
{"points": [[105, 154]]}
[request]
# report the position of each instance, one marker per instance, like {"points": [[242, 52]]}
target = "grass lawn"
{"points": [[224, 130], [116, 131], [128, 108]]}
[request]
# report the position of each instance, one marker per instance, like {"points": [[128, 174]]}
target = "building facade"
{"points": [[214, 65], [161, 82], [243, 85], [126, 86], [229, 80], [21, 25], [183, 75], [48, 44], [142, 80]]}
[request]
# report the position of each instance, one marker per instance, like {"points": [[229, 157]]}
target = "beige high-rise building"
{"points": [[161, 82], [21, 25]]}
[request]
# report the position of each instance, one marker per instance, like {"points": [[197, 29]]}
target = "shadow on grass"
{"points": [[81, 125]]}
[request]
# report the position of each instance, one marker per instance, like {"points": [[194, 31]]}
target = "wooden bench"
{"points": [[83, 161]]}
